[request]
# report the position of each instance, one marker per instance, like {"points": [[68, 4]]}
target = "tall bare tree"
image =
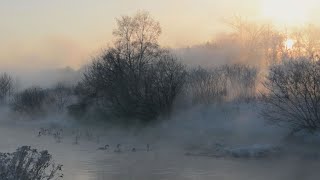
{"points": [[137, 38], [136, 78], [261, 43], [307, 42]]}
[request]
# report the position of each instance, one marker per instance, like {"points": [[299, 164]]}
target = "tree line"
{"points": [[137, 80]]}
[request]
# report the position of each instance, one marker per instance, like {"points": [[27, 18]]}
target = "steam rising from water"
{"points": [[200, 127]]}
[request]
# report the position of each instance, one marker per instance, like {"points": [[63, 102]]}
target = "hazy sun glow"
{"points": [[285, 12], [289, 43]]}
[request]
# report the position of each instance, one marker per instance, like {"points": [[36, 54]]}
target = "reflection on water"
{"points": [[84, 162]]}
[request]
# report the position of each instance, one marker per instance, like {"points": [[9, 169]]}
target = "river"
{"points": [[83, 161]]}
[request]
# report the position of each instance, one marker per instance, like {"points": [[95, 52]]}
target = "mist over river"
{"points": [[167, 157]]}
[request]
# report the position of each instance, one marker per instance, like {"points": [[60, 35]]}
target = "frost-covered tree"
{"points": [[292, 97], [29, 164]]}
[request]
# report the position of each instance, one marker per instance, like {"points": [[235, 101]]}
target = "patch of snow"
{"points": [[254, 151]]}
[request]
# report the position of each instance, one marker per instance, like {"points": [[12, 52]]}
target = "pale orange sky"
{"points": [[47, 33]]}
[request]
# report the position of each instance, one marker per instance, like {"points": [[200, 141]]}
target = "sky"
{"points": [[47, 33]]}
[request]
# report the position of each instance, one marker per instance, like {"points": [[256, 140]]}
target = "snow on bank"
{"points": [[307, 137], [249, 151], [254, 151]]}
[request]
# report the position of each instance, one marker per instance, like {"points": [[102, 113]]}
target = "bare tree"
{"points": [[273, 45], [29, 164], [293, 95], [30, 101], [135, 78], [137, 42], [141, 94], [164, 82], [228, 82], [242, 81], [261, 44], [206, 86], [307, 42], [6, 86], [60, 96], [137, 38]]}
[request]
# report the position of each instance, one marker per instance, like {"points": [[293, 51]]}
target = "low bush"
{"points": [[28, 164]]}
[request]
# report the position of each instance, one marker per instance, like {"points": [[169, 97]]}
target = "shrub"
{"points": [[59, 97], [6, 87], [228, 82], [137, 91], [30, 101], [242, 80], [28, 164], [206, 86], [293, 95], [134, 79]]}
